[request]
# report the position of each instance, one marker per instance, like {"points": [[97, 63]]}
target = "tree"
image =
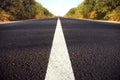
{"points": [[98, 9], [71, 12], [23, 9]]}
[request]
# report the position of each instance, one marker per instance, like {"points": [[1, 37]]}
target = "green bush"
{"points": [[115, 15]]}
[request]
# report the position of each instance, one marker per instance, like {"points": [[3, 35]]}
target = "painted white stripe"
{"points": [[59, 66]]}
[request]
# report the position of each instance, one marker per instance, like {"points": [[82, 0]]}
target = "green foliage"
{"points": [[23, 9], [71, 12], [115, 15], [97, 9]]}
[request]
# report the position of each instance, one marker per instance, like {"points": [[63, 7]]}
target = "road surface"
{"points": [[93, 48]]}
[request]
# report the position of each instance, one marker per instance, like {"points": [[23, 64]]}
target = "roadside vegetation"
{"points": [[22, 9], [96, 9]]}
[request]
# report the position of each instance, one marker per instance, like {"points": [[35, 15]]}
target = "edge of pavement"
{"points": [[16, 21], [22, 20], [105, 21]]}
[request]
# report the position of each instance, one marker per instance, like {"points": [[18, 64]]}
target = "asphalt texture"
{"points": [[94, 49], [25, 48]]}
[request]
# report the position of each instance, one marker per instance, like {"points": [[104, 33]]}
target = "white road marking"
{"points": [[59, 66]]}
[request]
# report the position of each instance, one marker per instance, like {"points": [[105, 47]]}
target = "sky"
{"points": [[59, 7]]}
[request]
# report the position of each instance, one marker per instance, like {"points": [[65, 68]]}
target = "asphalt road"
{"points": [[94, 49], [25, 49]]}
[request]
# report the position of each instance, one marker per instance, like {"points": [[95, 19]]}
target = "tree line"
{"points": [[22, 9], [96, 9]]}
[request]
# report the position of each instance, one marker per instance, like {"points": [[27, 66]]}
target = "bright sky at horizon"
{"points": [[59, 7]]}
